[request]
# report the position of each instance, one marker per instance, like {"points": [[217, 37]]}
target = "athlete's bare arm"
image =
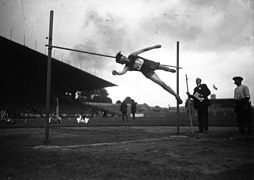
{"points": [[125, 69], [145, 49]]}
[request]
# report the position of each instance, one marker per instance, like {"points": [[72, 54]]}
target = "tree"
{"points": [[97, 95], [102, 92], [102, 99], [100, 95], [128, 100], [118, 102]]}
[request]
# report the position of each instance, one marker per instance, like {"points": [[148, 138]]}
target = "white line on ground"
{"points": [[45, 147]]}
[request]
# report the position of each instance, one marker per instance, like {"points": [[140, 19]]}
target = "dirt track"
{"points": [[126, 153]]}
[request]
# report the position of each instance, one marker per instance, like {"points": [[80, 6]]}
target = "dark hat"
{"points": [[118, 56], [237, 77]]}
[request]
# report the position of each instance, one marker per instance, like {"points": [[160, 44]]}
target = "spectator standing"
{"points": [[242, 106], [123, 109], [133, 108], [201, 103], [105, 113]]}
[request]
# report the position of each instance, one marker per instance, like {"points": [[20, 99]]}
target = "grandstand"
{"points": [[23, 74]]}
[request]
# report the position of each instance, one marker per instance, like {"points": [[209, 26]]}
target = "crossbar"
{"points": [[96, 54], [92, 53], [174, 66]]}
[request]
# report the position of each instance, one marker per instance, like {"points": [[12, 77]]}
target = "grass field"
{"points": [[125, 152]]}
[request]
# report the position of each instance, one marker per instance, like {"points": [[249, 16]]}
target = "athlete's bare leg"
{"points": [[166, 68], [155, 78]]}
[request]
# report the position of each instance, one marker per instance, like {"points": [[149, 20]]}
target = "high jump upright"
{"points": [[177, 87], [48, 87]]}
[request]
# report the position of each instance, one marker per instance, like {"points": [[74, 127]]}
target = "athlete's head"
{"points": [[120, 58]]}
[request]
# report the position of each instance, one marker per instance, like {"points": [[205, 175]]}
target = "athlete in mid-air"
{"points": [[136, 63]]}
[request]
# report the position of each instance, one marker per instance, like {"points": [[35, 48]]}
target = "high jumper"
{"points": [[134, 62]]}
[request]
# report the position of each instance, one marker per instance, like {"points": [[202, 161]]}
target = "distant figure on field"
{"points": [[242, 106], [201, 103], [133, 108], [137, 63], [82, 119], [3, 115], [105, 113], [123, 109]]}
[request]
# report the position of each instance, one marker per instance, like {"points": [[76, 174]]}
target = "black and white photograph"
{"points": [[117, 89]]}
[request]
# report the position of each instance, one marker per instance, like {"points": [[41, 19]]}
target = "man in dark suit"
{"points": [[201, 103], [123, 109]]}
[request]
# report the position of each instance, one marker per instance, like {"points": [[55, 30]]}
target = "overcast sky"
{"points": [[216, 40]]}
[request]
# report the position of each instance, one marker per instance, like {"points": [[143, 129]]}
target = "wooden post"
{"points": [[46, 141], [177, 87], [189, 104]]}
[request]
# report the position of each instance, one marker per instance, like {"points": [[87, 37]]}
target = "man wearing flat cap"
{"points": [[242, 106]]}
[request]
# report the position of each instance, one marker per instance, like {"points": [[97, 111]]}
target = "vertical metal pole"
{"points": [[177, 86], [48, 77]]}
